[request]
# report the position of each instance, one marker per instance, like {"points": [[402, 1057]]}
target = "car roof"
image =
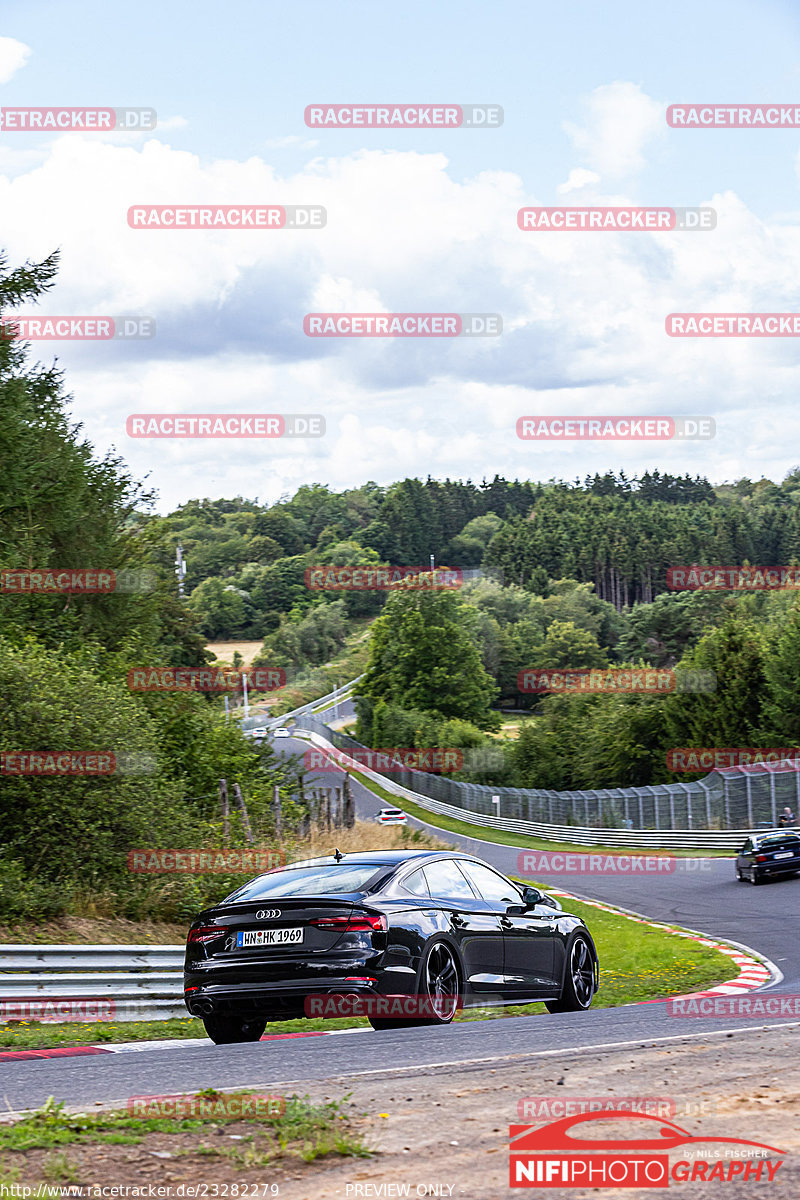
{"points": [[378, 858]]}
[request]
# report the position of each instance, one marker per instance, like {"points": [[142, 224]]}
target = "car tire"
{"points": [[225, 1031], [755, 878], [739, 876], [439, 977], [579, 979]]}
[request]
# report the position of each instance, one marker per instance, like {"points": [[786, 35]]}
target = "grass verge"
{"points": [[302, 1133]]}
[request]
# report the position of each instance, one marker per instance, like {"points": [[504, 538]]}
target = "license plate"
{"points": [[270, 937], [785, 854]]}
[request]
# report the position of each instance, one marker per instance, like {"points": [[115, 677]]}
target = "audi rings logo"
{"points": [[268, 914]]}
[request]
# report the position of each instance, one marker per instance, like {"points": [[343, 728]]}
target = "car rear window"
{"points": [[779, 843], [335, 879]]}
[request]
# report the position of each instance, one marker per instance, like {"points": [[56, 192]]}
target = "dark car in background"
{"points": [[768, 855], [444, 927]]}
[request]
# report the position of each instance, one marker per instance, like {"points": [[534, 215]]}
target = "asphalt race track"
{"points": [[701, 895]]}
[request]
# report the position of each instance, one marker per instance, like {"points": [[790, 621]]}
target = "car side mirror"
{"points": [[531, 896]]}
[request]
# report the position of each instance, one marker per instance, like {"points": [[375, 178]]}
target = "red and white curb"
{"points": [[163, 1044], [753, 972]]}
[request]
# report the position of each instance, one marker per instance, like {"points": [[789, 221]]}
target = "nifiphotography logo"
{"points": [[566, 1154]]}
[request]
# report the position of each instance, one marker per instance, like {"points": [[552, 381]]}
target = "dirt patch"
{"points": [[224, 651], [448, 1128]]}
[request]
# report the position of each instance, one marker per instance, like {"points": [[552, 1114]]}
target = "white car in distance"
{"points": [[391, 816]]}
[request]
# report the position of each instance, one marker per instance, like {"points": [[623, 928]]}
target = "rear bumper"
{"points": [[777, 868], [277, 1003]]}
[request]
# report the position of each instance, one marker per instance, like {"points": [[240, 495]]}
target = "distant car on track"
{"points": [[766, 855], [433, 929], [391, 816], [282, 732]]}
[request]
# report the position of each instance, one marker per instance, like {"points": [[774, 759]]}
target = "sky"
{"points": [[418, 220]]}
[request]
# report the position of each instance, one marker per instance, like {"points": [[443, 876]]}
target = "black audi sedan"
{"points": [[412, 935], [766, 855]]}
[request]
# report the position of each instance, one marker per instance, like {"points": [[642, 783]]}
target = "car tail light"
{"points": [[762, 857], [355, 923], [204, 933]]}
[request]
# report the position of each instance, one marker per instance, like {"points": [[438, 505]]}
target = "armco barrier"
{"points": [[145, 983], [698, 804], [313, 706]]}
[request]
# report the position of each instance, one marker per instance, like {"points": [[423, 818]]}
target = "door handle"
{"points": [[507, 923]]}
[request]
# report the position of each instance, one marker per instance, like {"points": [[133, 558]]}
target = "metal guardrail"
{"points": [[582, 835], [313, 705], [139, 983]]}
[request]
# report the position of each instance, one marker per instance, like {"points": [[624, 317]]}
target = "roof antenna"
{"points": [[337, 854]]}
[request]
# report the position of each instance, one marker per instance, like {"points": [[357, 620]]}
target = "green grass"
{"points": [[304, 1130], [502, 838]]}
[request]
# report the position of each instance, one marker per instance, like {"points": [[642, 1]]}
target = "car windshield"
{"points": [[321, 880]]}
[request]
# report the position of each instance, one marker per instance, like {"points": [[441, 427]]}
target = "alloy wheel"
{"points": [[441, 982], [582, 972]]}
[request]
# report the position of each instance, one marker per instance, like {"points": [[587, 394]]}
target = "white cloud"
{"points": [[583, 316], [176, 122], [578, 178], [291, 141], [13, 56], [620, 121]]}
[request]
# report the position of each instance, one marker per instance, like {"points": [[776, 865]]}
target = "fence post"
{"points": [[349, 805], [276, 807], [772, 798], [237, 793], [226, 812], [726, 801], [749, 794]]}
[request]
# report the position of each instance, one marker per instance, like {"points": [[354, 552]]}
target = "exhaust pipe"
{"points": [[203, 1006]]}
